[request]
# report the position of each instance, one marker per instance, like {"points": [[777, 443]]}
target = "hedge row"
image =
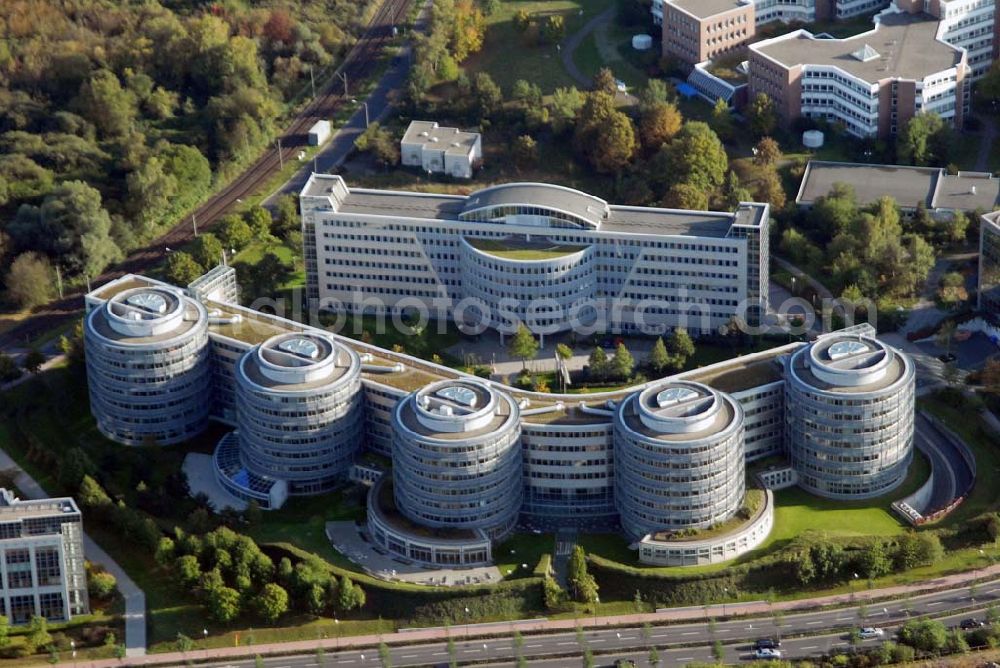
{"points": [[413, 604]]}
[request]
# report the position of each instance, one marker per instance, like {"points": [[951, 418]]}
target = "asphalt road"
{"points": [[804, 635], [952, 475]]}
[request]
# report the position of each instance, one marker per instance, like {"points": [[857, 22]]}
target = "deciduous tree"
{"points": [[30, 280], [182, 268], [659, 124], [762, 115], [271, 603], [523, 345]]}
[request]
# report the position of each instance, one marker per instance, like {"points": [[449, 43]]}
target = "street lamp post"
{"points": [[725, 595], [365, 104], [336, 622], [467, 621]]}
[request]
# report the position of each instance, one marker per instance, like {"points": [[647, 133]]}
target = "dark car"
{"points": [[947, 358], [766, 643], [971, 623]]}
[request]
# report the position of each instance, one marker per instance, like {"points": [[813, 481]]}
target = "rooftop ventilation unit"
{"points": [[300, 348]]}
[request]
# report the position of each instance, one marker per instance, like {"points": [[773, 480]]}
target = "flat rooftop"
{"points": [[432, 136], [704, 9], [903, 46], [967, 191], [621, 219]]}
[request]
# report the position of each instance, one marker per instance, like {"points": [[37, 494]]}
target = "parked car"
{"points": [[624, 663], [947, 358], [767, 643], [972, 623], [766, 654], [869, 632]]}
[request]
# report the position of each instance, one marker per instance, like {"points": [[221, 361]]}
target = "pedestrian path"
{"points": [[135, 599]]}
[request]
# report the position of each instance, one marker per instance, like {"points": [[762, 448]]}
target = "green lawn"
{"points": [[512, 250], [506, 56], [519, 550], [424, 343], [302, 522], [795, 512]]}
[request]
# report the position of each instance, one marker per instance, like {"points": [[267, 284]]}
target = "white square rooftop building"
{"points": [[441, 150]]}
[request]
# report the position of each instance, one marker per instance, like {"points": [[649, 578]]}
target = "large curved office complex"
{"points": [[299, 405], [457, 463], [147, 353], [533, 253], [679, 458], [456, 454], [849, 417]]}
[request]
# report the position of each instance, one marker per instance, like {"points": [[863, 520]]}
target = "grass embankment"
{"points": [[795, 512], [507, 56]]}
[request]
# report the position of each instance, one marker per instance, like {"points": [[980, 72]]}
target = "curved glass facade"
{"points": [[548, 295], [147, 370], [456, 454], [679, 458], [849, 416], [299, 408]]}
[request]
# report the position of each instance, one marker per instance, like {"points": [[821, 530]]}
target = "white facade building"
{"points": [[970, 25], [41, 559], [550, 257], [441, 150]]}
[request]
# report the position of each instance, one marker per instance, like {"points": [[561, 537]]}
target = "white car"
{"points": [[621, 86], [767, 653], [869, 632]]}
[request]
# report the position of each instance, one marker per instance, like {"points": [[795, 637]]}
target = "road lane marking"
{"points": [[812, 623], [687, 633], [931, 605], [811, 647]]}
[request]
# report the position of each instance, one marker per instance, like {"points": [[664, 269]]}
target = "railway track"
{"points": [[357, 66]]}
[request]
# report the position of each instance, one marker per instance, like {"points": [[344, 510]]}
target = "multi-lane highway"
{"points": [[802, 634]]}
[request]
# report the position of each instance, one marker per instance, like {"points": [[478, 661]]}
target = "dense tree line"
{"points": [[868, 252], [116, 117]]}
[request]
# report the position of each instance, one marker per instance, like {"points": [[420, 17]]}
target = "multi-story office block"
{"points": [[568, 470], [41, 559], [456, 455], [850, 403], [872, 83], [989, 264], [968, 24], [299, 406], [695, 31], [550, 257], [679, 458], [146, 351], [470, 458], [698, 30]]}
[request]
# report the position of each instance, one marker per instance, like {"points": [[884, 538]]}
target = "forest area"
{"points": [[118, 116]]}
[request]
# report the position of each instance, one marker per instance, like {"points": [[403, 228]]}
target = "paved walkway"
{"points": [[135, 599], [820, 289], [572, 43], [49, 363], [696, 613]]}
